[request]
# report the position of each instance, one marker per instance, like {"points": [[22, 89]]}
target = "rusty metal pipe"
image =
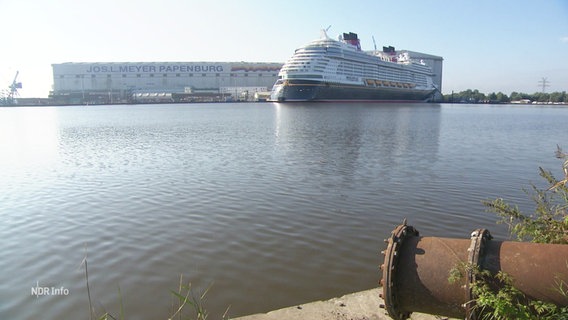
{"points": [[416, 271]]}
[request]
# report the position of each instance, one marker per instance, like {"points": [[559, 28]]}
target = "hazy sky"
{"points": [[490, 45]]}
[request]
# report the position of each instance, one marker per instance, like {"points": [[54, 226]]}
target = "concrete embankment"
{"points": [[364, 305]]}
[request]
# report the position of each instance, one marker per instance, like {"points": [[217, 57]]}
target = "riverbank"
{"points": [[363, 305]]}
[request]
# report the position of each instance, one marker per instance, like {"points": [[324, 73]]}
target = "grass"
{"points": [[497, 298], [186, 305]]}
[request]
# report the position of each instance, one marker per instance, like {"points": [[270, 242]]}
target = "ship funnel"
{"points": [[351, 38]]}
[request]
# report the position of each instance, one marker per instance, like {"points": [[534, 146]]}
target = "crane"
{"points": [[14, 88]]}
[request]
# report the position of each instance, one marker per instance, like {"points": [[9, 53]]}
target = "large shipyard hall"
{"points": [[158, 82]]}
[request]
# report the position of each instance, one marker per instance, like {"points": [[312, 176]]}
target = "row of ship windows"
{"points": [[307, 64], [307, 60], [165, 75], [385, 76], [347, 66], [342, 54], [390, 75], [352, 56], [417, 79], [355, 69]]}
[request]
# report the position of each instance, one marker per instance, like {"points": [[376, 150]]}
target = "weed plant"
{"points": [[549, 223], [495, 295], [186, 305]]}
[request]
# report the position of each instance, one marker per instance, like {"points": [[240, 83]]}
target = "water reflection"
{"points": [[375, 138], [285, 202], [29, 137]]}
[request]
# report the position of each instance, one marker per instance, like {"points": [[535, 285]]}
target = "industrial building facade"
{"points": [[140, 82], [436, 63]]}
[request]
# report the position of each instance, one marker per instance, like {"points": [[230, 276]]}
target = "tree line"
{"points": [[474, 96]]}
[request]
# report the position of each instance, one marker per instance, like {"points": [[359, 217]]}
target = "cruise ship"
{"points": [[338, 70]]}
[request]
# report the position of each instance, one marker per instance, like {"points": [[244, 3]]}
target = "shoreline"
{"points": [[362, 305]]}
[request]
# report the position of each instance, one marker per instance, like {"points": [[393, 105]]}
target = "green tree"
{"points": [[501, 97], [558, 96], [515, 96], [541, 97], [474, 96], [478, 96]]}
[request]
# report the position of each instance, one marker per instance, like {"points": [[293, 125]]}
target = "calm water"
{"points": [[270, 205]]}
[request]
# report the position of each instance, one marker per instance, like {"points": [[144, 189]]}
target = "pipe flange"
{"points": [[476, 252], [389, 294]]}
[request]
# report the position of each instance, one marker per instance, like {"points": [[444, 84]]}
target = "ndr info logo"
{"points": [[49, 291]]}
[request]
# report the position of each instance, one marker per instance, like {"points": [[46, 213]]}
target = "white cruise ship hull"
{"points": [[307, 90]]}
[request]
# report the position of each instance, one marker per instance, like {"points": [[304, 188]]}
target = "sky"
{"points": [[489, 45]]}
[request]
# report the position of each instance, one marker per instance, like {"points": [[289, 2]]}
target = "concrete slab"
{"points": [[364, 305]]}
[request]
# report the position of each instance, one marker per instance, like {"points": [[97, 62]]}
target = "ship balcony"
{"points": [[303, 76]]}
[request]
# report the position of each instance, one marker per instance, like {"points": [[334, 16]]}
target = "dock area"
{"points": [[363, 305]]}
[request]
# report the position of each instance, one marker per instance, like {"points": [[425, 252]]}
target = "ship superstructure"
{"points": [[332, 70]]}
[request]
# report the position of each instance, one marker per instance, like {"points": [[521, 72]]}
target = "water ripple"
{"points": [[285, 203]]}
